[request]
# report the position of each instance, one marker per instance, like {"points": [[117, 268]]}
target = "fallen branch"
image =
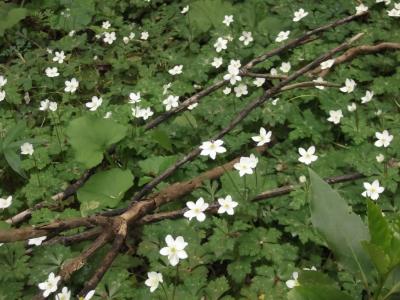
{"points": [[213, 207], [354, 52]]}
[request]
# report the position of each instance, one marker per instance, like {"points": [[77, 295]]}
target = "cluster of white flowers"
{"points": [[50, 286], [48, 105], [143, 113], [395, 11], [233, 72]]}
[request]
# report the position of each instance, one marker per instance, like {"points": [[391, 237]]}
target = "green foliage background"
{"points": [[247, 256]]}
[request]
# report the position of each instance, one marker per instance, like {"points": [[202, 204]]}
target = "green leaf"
{"points": [[341, 228], [378, 226], [90, 136], [378, 257], [162, 138], [314, 292], [216, 288], [105, 189], [14, 161], [10, 16]]}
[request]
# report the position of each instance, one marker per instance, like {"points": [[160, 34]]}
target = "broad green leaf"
{"points": [[341, 228], [314, 277], [317, 292], [216, 288], [156, 164], [90, 136], [378, 256], [162, 138], [105, 189], [14, 161], [10, 15], [378, 226]]}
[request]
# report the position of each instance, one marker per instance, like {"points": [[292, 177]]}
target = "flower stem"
{"points": [[36, 166], [176, 282]]}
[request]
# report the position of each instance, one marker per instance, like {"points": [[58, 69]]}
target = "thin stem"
{"points": [[176, 282], [36, 166], [165, 292]]}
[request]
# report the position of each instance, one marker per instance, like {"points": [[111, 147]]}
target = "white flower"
{"points": [[352, 107], [285, 67], [394, 13], [368, 97], [192, 106], [384, 139], [228, 20], [108, 115], [240, 90], [143, 113], [378, 112], [109, 37], [47, 104], [211, 148], [246, 165], [275, 101], [380, 158], [71, 86], [283, 35], [71, 33], [94, 104], [126, 40], [319, 80], [217, 62], [302, 179], [3, 81], [89, 295], [220, 44], [227, 90], [50, 285], [361, 9], [52, 72], [175, 249], [64, 295], [291, 283], [313, 268], [144, 35], [233, 72], [176, 70], [196, 210], [59, 57], [170, 102], [5, 202], [153, 278], [134, 97], [273, 72], [227, 205], [259, 81], [307, 156], [387, 2], [300, 14], [2, 95], [349, 86], [335, 116], [372, 190], [327, 64], [37, 241], [185, 10], [26, 149], [166, 88], [263, 138], [106, 25], [246, 38], [131, 35]]}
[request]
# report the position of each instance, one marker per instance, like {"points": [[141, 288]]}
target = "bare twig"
{"points": [[263, 196], [307, 84], [354, 52]]}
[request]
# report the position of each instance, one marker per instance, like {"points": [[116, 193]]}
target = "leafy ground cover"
{"points": [[176, 149]]}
